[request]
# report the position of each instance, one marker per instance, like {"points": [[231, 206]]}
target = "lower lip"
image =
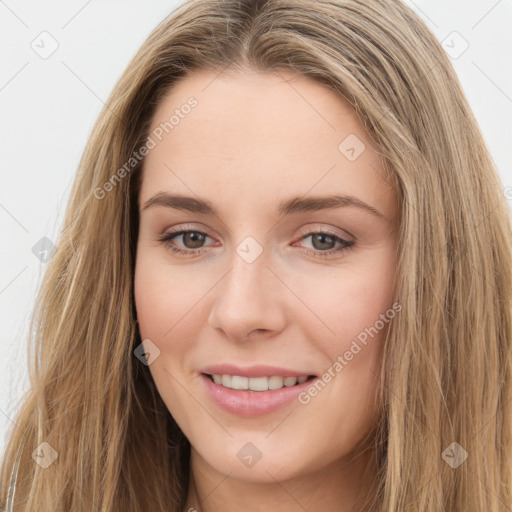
{"points": [[252, 403]]}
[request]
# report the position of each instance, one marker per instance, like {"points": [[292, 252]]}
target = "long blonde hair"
{"points": [[447, 365]]}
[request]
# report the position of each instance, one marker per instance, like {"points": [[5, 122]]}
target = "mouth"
{"points": [[257, 384], [254, 396]]}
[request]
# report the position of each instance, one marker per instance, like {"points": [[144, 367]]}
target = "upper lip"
{"points": [[258, 370]]}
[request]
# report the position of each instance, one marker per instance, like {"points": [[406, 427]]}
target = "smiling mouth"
{"points": [[273, 382]]}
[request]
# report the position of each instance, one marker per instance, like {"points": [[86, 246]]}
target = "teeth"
{"points": [[257, 383], [239, 382], [275, 382], [290, 381]]}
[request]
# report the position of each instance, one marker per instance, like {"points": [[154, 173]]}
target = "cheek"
{"points": [[359, 311], [357, 306], [350, 303], [165, 315], [167, 298]]}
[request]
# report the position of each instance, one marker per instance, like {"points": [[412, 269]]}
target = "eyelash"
{"points": [[167, 240]]}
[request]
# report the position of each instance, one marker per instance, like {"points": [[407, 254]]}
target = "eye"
{"points": [[193, 238], [324, 239]]}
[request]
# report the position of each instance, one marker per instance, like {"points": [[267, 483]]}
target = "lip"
{"points": [[252, 403], [259, 370]]}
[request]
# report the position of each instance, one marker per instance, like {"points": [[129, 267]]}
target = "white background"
{"points": [[48, 106]]}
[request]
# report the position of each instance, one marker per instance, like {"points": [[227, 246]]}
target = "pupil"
{"points": [[322, 238], [196, 238]]}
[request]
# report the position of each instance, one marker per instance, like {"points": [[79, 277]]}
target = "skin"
{"points": [[253, 140]]}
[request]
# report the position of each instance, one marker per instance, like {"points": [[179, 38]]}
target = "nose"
{"points": [[248, 301]]}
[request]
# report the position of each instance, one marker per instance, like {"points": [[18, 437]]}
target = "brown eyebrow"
{"points": [[286, 207]]}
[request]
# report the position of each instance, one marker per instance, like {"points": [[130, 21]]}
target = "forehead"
{"points": [[256, 135]]}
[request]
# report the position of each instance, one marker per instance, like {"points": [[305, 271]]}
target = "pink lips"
{"points": [[252, 403]]}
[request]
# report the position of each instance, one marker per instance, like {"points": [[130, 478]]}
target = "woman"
{"points": [[200, 348]]}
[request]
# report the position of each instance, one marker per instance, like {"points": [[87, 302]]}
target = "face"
{"points": [[238, 280]]}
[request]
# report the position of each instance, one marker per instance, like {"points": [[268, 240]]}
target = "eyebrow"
{"points": [[294, 205]]}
